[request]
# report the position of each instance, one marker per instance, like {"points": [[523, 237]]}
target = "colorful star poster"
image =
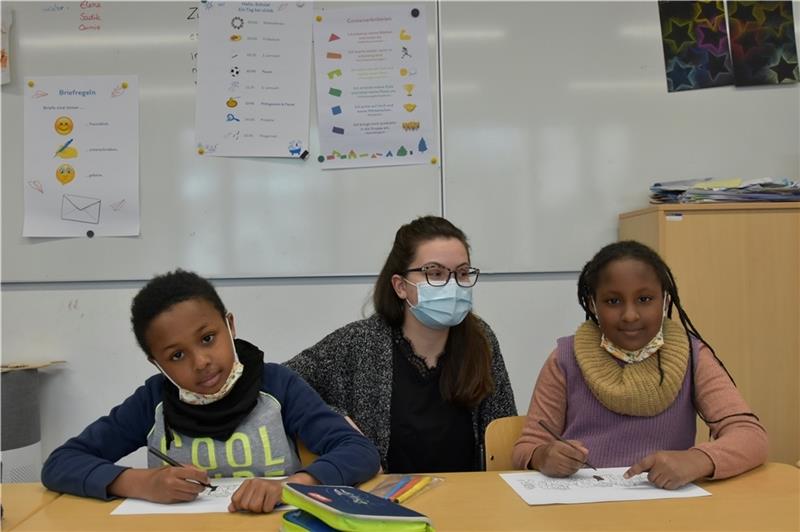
{"points": [[695, 44], [763, 43], [81, 156], [374, 98], [253, 79]]}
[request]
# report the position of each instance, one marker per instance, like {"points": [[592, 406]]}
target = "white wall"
{"points": [[87, 324]]}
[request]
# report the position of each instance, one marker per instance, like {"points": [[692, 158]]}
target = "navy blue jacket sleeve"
{"points": [[85, 465], [346, 457]]}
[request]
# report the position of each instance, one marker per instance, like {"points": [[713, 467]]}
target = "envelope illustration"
{"points": [[80, 209]]}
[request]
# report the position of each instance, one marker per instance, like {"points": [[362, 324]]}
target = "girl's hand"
{"points": [[557, 459], [672, 469], [261, 495], [165, 484]]}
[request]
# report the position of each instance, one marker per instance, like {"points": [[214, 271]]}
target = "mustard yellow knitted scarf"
{"points": [[633, 389]]}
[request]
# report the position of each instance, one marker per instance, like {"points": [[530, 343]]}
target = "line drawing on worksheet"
{"points": [[609, 481], [216, 501], [587, 485], [224, 491]]}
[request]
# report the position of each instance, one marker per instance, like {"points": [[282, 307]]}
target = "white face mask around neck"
{"points": [[196, 398], [640, 354]]}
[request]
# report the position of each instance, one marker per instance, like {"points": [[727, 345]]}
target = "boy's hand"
{"points": [[261, 495], [257, 495], [557, 459], [672, 469], [164, 484]]}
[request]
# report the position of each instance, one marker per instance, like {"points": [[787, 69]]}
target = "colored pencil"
{"points": [[397, 487], [408, 485], [414, 490]]}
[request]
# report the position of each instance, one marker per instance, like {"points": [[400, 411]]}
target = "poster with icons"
{"points": [[374, 100], [81, 156], [253, 79]]}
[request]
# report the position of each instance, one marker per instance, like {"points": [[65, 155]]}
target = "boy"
{"points": [[215, 405]]}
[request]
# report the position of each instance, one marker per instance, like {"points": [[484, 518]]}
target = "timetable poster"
{"points": [[374, 99], [253, 79], [81, 156]]}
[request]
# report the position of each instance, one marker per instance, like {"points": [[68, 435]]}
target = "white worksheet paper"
{"points": [[536, 488], [216, 501]]}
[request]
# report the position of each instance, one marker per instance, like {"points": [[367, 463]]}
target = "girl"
{"points": [[216, 405], [423, 376], [624, 389]]}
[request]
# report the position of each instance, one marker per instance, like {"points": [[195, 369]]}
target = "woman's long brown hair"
{"points": [[466, 377]]}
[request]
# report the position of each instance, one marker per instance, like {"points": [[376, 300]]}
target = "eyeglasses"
{"points": [[437, 275]]}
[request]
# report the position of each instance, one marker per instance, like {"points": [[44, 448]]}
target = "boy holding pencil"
{"points": [[215, 406]]}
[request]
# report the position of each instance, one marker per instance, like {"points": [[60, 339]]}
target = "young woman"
{"points": [[423, 376], [624, 390]]}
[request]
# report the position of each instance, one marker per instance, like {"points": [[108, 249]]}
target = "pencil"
{"points": [[400, 483], [64, 147], [175, 463], [562, 440], [413, 480], [414, 490]]}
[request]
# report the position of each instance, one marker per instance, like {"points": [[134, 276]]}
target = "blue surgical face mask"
{"points": [[439, 307]]}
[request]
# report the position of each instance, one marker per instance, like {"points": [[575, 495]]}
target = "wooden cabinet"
{"points": [[737, 267]]}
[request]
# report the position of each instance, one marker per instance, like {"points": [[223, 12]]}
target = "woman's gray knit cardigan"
{"points": [[351, 369]]}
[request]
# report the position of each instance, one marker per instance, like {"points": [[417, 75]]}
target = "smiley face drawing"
{"points": [[231, 103], [63, 125], [65, 173]]}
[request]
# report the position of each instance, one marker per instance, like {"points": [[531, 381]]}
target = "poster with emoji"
{"points": [[81, 156]]}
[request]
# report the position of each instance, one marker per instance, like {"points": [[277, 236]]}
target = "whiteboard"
{"points": [[557, 118], [222, 217]]}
